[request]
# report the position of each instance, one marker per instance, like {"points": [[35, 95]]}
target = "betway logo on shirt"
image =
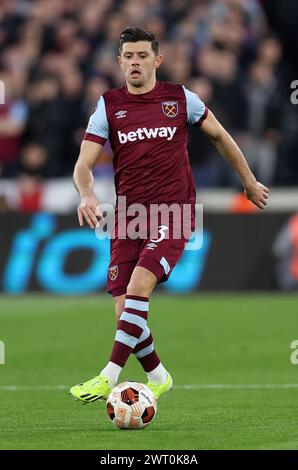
{"points": [[144, 133]]}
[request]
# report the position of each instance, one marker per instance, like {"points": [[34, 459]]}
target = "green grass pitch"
{"points": [[235, 386]]}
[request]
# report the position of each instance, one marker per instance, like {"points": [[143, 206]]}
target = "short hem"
{"points": [[154, 267], [118, 291]]}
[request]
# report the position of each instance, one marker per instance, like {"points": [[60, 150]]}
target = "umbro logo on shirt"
{"points": [[121, 114], [151, 246], [144, 133]]}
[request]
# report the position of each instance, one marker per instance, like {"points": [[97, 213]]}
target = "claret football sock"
{"points": [[130, 327], [145, 352], [133, 335]]}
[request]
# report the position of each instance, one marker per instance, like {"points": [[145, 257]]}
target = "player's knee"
{"points": [[137, 288], [142, 286]]}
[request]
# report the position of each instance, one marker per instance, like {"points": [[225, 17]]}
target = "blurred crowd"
{"points": [[58, 56]]}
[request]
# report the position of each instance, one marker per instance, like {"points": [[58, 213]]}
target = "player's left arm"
{"points": [[227, 147]]}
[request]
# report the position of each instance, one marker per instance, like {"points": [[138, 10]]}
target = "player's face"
{"points": [[138, 62]]}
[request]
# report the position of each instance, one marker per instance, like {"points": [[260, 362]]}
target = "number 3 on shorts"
{"points": [[161, 231]]}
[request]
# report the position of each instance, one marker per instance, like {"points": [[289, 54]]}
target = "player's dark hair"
{"points": [[131, 34]]}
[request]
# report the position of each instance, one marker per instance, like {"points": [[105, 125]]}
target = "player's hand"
{"points": [[89, 210], [258, 194]]}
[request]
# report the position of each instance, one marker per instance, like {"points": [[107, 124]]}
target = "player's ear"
{"points": [[158, 60]]}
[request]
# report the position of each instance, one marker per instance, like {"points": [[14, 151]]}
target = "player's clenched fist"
{"points": [[258, 194], [89, 210]]}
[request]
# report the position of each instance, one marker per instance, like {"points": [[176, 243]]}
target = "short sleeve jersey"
{"points": [[148, 135]]}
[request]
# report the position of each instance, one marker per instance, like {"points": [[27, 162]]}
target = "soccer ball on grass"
{"points": [[131, 405]]}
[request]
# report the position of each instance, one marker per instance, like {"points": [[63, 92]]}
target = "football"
{"points": [[131, 405]]}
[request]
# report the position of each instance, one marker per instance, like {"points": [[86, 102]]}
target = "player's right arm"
{"points": [[88, 208], [95, 137]]}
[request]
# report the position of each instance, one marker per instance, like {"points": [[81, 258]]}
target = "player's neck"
{"points": [[143, 89]]}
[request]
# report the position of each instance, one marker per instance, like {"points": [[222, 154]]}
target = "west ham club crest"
{"points": [[113, 272], [170, 108]]}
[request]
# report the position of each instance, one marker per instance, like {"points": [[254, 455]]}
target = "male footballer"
{"points": [[146, 123]]}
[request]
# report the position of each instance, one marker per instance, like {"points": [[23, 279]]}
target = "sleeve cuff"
{"points": [[94, 138], [202, 118]]}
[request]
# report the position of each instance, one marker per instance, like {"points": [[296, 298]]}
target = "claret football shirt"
{"points": [[148, 135]]}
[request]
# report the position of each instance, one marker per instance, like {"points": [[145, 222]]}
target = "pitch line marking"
{"points": [[17, 388]]}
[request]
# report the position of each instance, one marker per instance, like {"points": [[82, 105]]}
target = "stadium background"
{"points": [[56, 58]]}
